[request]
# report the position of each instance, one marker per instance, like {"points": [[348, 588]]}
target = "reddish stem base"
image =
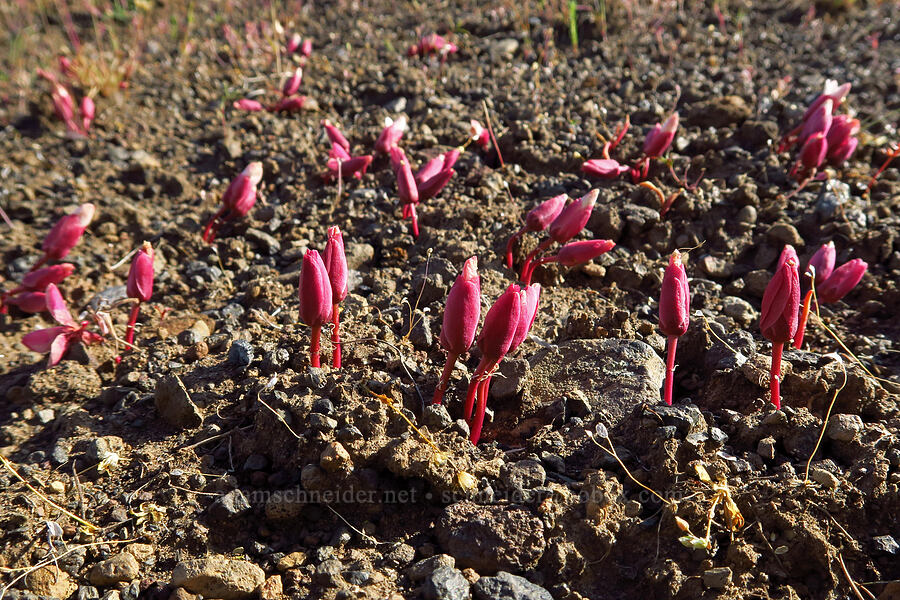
{"points": [[775, 375], [528, 267], [314, 346], [445, 377], [804, 315], [670, 367], [336, 337], [129, 330]]}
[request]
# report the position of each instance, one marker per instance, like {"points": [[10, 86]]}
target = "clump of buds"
{"points": [[295, 43], [64, 104], [139, 287], [238, 199], [606, 167], [830, 284], [674, 313], [289, 102], [29, 296], [779, 316], [340, 162], [461, 315], [432, 44], [56, 340], [65, 234], [656, 143], [336, 266], [316, 302], [537, 219], [425, 184]]}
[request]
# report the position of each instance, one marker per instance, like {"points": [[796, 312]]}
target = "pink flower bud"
{"points": [[248, 105], [834, 92], [336, 264], [140, 276], [822, 262], [660, 137], [781, 304], [819, 121], [463, 309], [841, 281], [430, 169], [38, 280], [573, 218], [500, 325], [605, 168], [674, 299], [406, 185], [813, 152], [842, 128], [65, 65], [240, 196], [838, 155], [398, 156], [314, 291], [289, 105], [42, 340], [67, 231], [450, 157], [88, 110], [787, 252], [391, 134], [355, 167], [292, 84], [529, 299], [335, 135], [479, 135], [540, 217], [292, 44], [63, 103], [433, 186], [306, 48], [576, 253], [30, 302]]}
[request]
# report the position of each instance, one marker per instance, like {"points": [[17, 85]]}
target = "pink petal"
{"points": [[42, 339], [58, 348], [57, 308]]}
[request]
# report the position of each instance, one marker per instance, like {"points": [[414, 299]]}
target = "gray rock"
{"points": [[275, 361], [511, 378], [46, 416], [218, 577], [321, 422], [100, 448], [491, 538], [117, 568], [738, 309], [263, 240], [436, 417], [785, 233], [59, 455], [256, 462], [504, 49], [422, 569], [446, 583], [233, 504], [87, 592], [174, 404], [358, 254], [844, 428], [715, 266], [506, 586], [686, 419], [328, 573], [766, 448], [886, 544], [524, 474], [615, 375], [717, 577], [240, 354]]}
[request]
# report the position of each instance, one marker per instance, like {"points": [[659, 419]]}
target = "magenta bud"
{"points": [[780, 312], [463, 309], [787, 252], [336, 264], [819, 121], [335, 135], [29, 302], [660, 137], [355, 167], [576, 253], [529, 299], [813, 152], [314, 291], [306, 48], [391, 134], [450, 157], [834, 92], [140, 276], [674, 299], [573, 218], [292, 84], [289, 105], [88, 110], [65, 65], [842, 129], [67, 231], [605, 168], [293, 43], [431, 188], [500, 325], [479, 135], [38, 280], [841, 281], [430, 169], [240, 196], [838, 155], [406, 184], [540, 217], [248, 105], [398, 156], [822, 263]]}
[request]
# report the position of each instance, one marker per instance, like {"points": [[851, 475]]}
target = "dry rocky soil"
{"points": [[215, 462]]}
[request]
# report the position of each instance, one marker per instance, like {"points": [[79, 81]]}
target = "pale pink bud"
{"points": [[605, 168], [248, 105], [479, 134], [314, 291], [576, 253], [29, 302], [306, 48], [397, 157], [463, 309], [141, 274], [289, 105], [822, 262], [391, 134], [834, 92], [674, 298], [528, 306], [335, 135], [660, 137], [88, 110], [500, 325], [819, 121], [336, 264], [67, 231], [293, 43], [38, 280], [292, 84], [540, 217], [240, 196], [787, 253], [841, 281], [573, 218], [406, 185]]}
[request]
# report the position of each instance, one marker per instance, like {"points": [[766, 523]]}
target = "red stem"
{"points": [[527, 264], [445, 377], [336, 337], [129, 330], [542, 261], [415, 220], [670, 367], [509, 247], [478, 421], [804, 315], [209, 233], [469, 406], [314, 346], [775, 375]]}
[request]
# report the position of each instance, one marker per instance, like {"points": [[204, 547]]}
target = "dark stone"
{"points": [[506, 586], [240, 354], [446, 583], [232, 504]]}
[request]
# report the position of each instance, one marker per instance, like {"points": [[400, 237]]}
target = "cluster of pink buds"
{"points": [[322, 287], [56, 340], [656, 143], [296, 43], [461, 315], [779, 317], [30, 296], [238, 199], [64, 104], [830, 284], [424, 184], [341, 164], [674, 313], [564, 223], [65, 234], [824, 137], [139, 287], [289, 102], [432, 44]]}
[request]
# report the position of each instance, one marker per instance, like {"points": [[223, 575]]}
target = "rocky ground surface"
{"points": [[215, 462]]}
